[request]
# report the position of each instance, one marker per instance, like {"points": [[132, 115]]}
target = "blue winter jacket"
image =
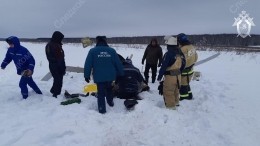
{"points": [[22, 58], [104, 62], [169, 59]]}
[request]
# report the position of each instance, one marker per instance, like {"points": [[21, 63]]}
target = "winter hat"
{"points": [[101, 39], [171, 41]]}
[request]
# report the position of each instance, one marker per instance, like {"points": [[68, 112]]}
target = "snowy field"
{"points": [[224, 111]]}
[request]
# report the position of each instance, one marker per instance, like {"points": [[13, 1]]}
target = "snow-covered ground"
{"points": [[224, 111]]}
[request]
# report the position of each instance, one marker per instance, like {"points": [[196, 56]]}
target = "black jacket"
{"points": [[153, 54], [55, 54], [131, 80]]}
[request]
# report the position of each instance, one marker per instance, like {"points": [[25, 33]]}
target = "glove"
{"points": [[160, 88], [27, 73], [158, 79], [87, 80]]}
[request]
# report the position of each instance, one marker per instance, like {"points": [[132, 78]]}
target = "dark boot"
{"points": [[146, 79], [153, 80], [39, 92], [25, 96], [111, 103], [190, 96], [190, 93]]}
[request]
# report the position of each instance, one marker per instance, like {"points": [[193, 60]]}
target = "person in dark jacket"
{"points": [[129, 87], [153, 56], [24, 63], [172, 66], [129, 84], [105, 66], [56, 58]]}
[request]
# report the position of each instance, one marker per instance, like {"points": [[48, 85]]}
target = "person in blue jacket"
{"points": [[24, 63], [105, 66]]}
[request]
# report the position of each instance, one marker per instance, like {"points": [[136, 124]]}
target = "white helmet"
{"points": [[171, 41]]}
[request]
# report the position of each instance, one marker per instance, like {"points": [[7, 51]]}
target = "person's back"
{"points": [[105, 66], [191, 58], [172, 65], [104, 63], [130, 83]]}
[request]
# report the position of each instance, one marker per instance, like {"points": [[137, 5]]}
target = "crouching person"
{"points": [[24, 63], [131, 83], [172, 65], [106, 66]]}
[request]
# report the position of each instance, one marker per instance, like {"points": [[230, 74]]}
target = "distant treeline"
{"points": [[207, 40]]}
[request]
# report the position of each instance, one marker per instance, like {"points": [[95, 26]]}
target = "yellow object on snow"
{"points": [[90, 88], [86, 42]]}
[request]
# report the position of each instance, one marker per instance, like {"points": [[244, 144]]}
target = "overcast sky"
{"points": [[79, 18]]}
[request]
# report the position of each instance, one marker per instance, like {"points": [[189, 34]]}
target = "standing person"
{"points": [[24, 63], [104, 62], [172, 65], [55, 56], [191, 57], [153, 56]]}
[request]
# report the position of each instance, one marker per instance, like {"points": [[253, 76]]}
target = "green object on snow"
{"points": [[71, 101]]}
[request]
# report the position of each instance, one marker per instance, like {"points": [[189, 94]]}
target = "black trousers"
{"points": [[154, 71], [57, 84], [57, 74]]}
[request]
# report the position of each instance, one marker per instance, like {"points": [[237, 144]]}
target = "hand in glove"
{"points": [[160, 88], [87, 80], [27, 73]]}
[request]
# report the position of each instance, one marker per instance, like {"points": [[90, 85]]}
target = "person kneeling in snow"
{"points": [[24, 63], [131, 84]]}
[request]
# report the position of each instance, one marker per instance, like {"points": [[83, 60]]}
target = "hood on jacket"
{"points": [[173, 48], [13, 40], [57, 37], [154, 40]]}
